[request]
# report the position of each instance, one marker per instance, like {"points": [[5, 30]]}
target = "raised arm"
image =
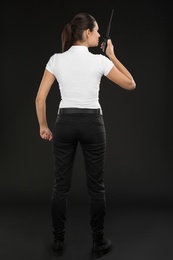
{"points": [[119, 74]]}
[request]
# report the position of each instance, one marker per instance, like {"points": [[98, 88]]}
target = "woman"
{"points": [[79, 120]]}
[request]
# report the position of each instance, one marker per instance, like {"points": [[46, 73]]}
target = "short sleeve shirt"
{"points": [[78, 73]]}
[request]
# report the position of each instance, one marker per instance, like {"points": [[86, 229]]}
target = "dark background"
{"points": [[139, 165]]}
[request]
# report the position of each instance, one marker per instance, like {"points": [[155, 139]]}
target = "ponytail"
{"points": [[66, 37]]}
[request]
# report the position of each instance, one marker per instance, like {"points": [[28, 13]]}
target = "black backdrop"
{"points": [[139, 134]]}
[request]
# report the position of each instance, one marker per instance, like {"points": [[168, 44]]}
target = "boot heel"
{"points": [[101, 247]]}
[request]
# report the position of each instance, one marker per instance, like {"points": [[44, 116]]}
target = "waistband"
{"points": [[73, 110]]}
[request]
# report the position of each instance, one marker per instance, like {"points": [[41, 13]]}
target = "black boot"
{"points": [[101, 245], [58, 243]]}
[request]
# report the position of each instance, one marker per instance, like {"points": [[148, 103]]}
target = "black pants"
{"points": [[89, 131]]}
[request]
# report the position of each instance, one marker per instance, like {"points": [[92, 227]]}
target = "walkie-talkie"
{"points": [[104, 43]]}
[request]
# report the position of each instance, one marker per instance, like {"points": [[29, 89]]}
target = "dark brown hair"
{"points": [[73, 31]]}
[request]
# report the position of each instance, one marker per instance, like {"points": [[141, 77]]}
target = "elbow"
{"points": [[132, 85], [128, 84], [39, 100]]}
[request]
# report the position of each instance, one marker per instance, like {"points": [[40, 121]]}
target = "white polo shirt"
{"points": [[78, 73]]}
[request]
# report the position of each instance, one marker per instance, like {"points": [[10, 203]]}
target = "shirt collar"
{"points": [[78, 48]]}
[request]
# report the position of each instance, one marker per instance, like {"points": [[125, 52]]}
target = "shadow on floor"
{"points": [[137, 232]]}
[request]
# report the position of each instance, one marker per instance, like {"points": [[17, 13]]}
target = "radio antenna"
{"points": [[104, 44]]}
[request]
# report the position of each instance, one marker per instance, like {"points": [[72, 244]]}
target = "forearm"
{"points": [[41, 112], [120, 66]]}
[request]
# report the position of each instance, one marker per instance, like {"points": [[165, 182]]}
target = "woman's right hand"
{"points": [[110, 49]]}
